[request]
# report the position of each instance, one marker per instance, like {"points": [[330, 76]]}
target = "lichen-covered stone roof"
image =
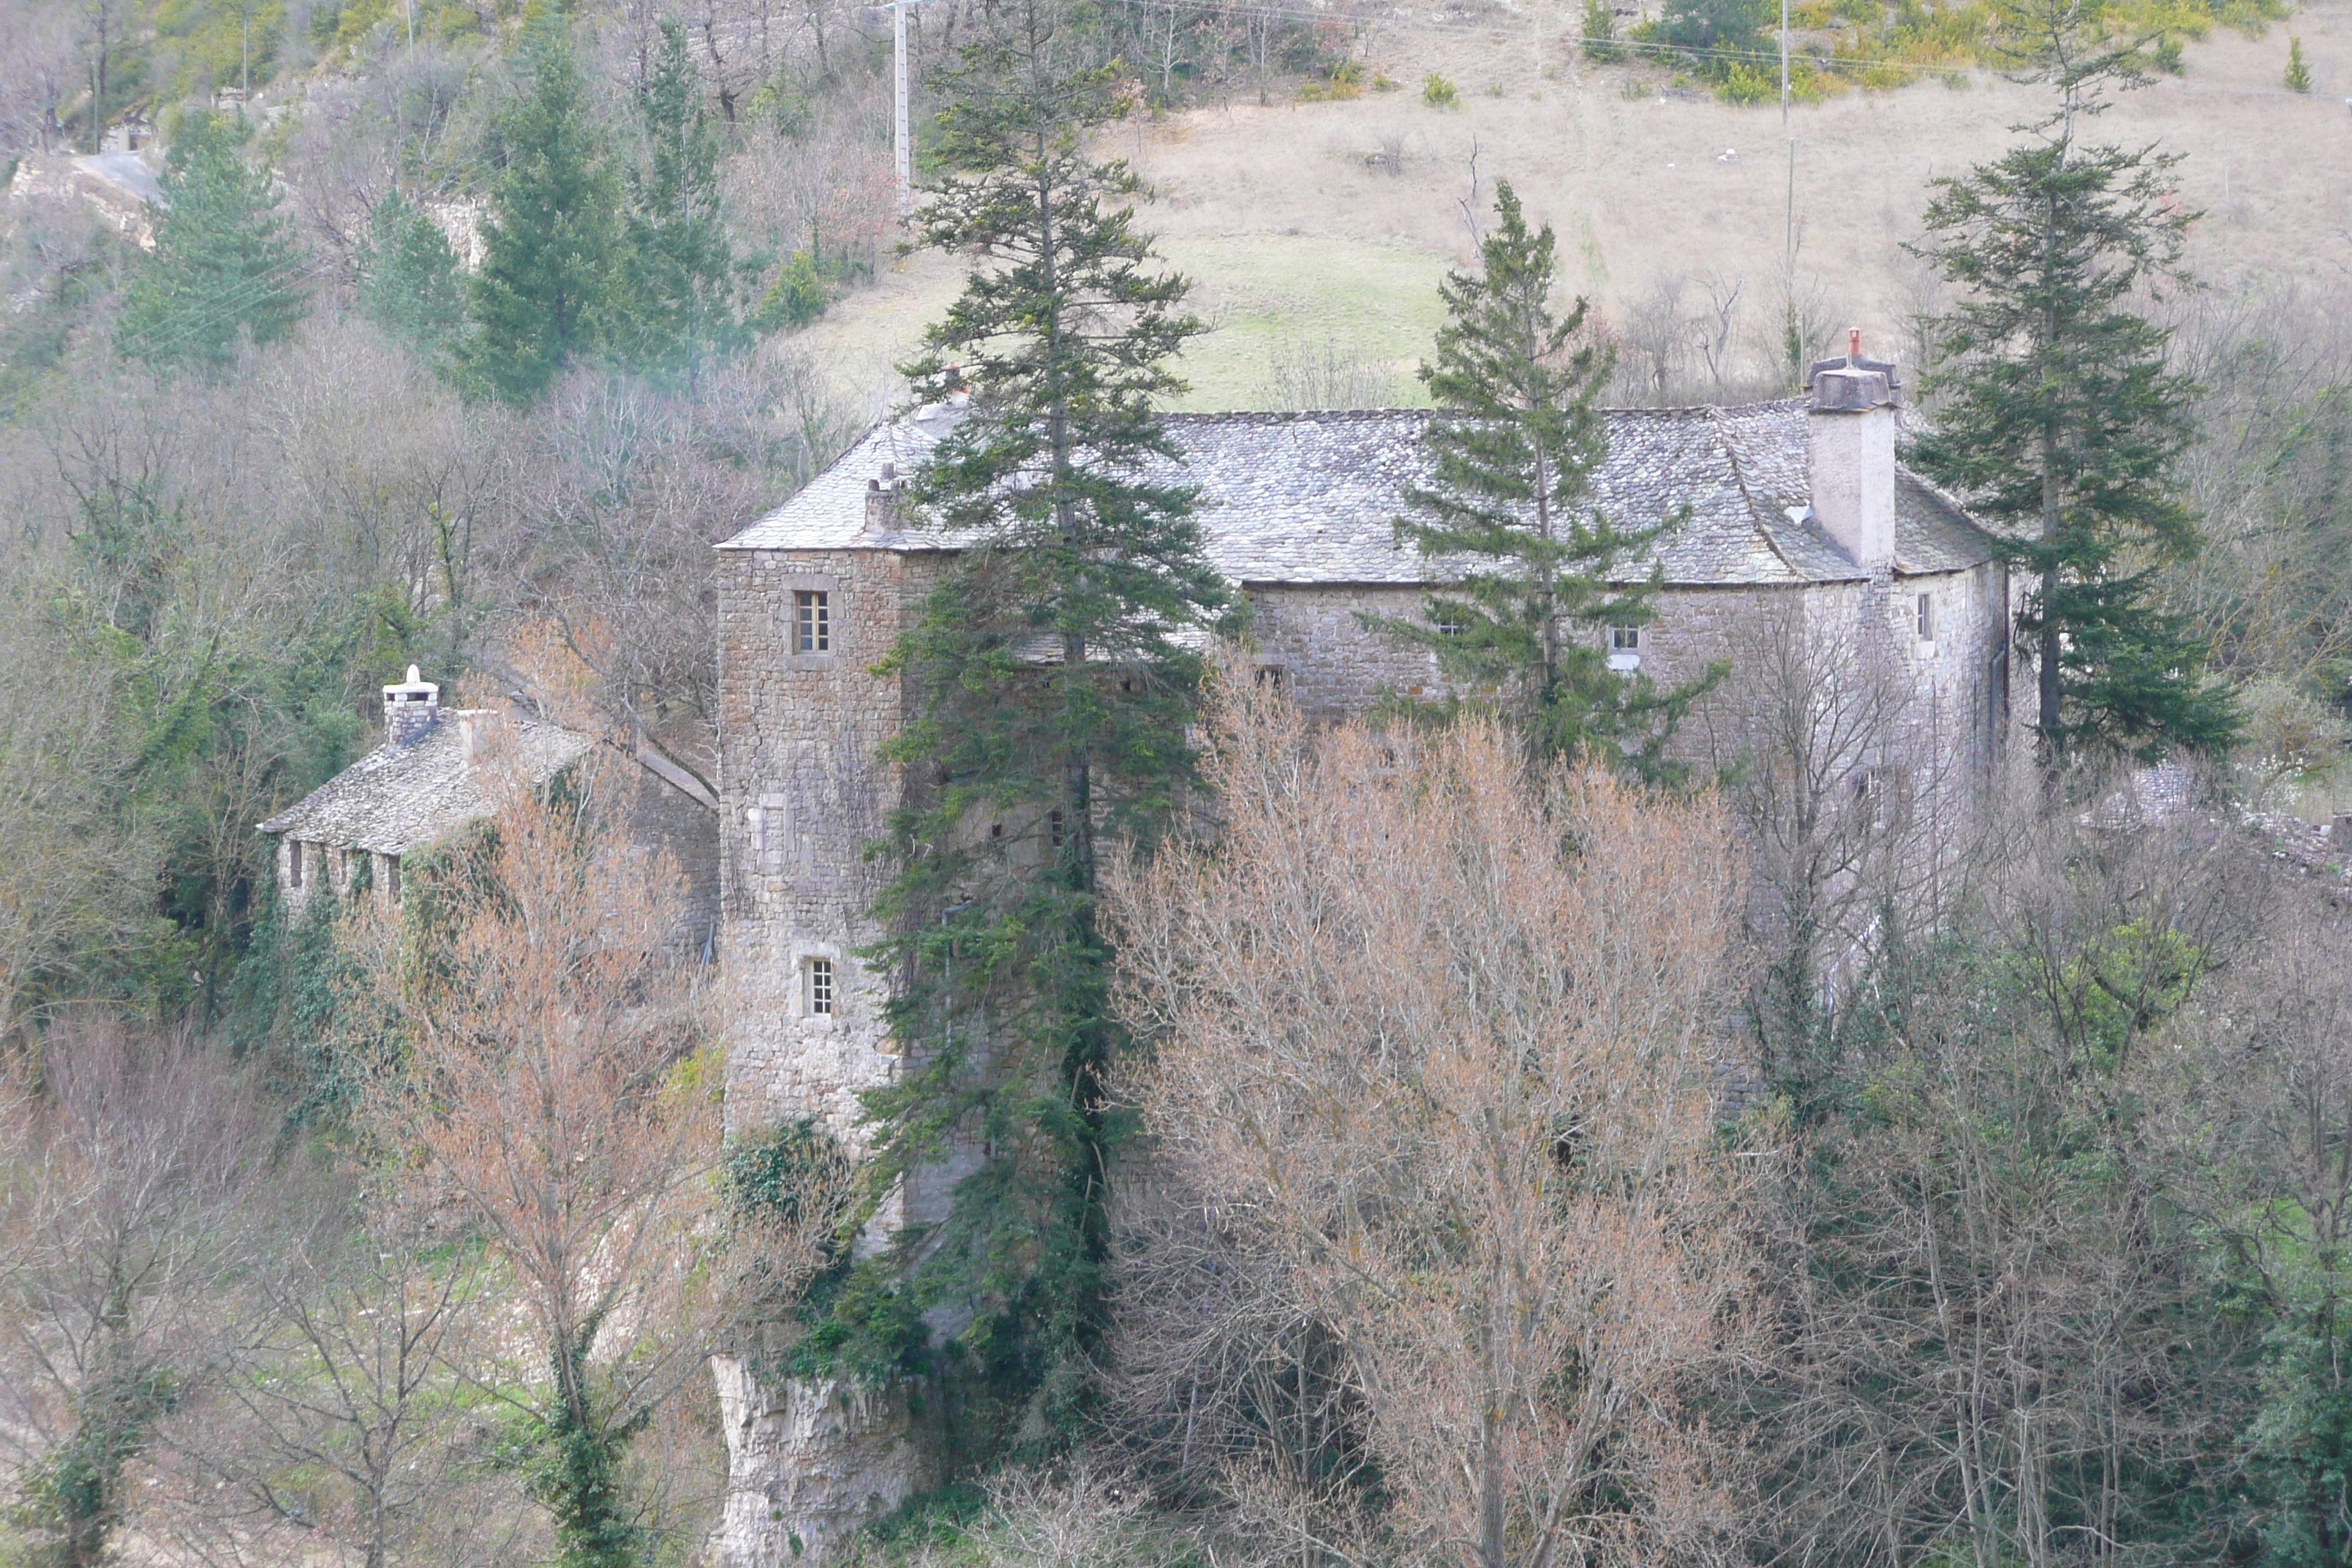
{"points": [[1313, 498], [393, 799]]}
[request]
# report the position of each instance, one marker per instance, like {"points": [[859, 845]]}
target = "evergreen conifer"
{"points": [[227, 264], [1512, 450], [685, 285], [1055, 685], [1601, 45], [2062, 422], [2298, 69], [547, 291], [409, 283]]}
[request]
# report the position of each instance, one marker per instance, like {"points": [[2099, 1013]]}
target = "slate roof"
{"points": [[393, 799], [1312, 497]]}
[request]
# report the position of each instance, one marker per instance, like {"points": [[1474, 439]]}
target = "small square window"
{"points": [[1888, 792], [820, 987], [1926, 618], [1449, 622], [1624, 639], [1269, 676], [813, 623]]}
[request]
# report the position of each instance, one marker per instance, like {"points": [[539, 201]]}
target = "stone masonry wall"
{"points": [[1330, 661], [1333, 664], [323, 865], [1949, 710], [802, 790]]}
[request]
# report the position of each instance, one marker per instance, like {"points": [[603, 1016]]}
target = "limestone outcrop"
{"points": [[809, 1461]]}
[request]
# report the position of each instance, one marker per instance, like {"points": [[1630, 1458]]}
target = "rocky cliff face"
{"points": [[808, 1461]]}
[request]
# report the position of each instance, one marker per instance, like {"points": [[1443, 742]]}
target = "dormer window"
{"points": [[811, 622]]}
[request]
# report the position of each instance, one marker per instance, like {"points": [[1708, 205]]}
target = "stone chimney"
{"points": [[477, 727], [410, 711], [1850, 438], [882, 500]]}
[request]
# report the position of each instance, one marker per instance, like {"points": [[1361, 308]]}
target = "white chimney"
{"points": [[410, 711], [1850, 437]]}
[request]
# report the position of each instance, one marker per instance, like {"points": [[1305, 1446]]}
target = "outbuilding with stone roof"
{"points": [[431, 779]]}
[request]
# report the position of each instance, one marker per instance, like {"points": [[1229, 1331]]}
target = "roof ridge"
{"points": [[1276, 416], [891, 427], [1736, 457], [1701, 410]]}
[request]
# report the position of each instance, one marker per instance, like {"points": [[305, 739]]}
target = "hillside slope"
{"points": [[1306, 247]]}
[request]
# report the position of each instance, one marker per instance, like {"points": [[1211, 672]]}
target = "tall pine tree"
{"points": [[1055, 680], [1512, 451], [226, 266], [409, 282], [548, 286], [2062, 423], [685, 286]]}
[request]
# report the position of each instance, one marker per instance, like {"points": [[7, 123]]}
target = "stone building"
{"points": [[426, 782], [1789, 520]]}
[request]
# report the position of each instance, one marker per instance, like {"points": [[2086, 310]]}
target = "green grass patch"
{"points": [[1836, 44]]}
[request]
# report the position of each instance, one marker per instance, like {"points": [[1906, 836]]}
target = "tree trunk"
{"points": [[2050, 713]]}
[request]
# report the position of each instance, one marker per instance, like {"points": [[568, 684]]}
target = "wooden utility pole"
{"points": [[906, 164], [1788, 221]]}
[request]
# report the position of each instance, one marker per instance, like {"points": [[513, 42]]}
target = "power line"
{"points": [[224, 309]]}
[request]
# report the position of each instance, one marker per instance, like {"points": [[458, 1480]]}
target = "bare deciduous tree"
{"points": [[1300, 376], [70, 882], [2001, 1347], [1848, 791], [40, 57], [1437, 1043], [551, 1090], [128, 1222], [1719, 332], [346, 1420]]}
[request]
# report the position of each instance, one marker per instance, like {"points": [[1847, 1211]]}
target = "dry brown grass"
{"points": [[1298, 239]]}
